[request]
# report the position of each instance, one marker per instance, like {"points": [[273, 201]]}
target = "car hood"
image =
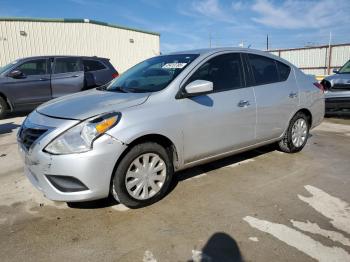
{"points": [[90, 103], [339, 79]]}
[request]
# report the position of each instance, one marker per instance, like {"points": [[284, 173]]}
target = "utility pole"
{"points": [[267, 42], [329, 53], [209, 39]]}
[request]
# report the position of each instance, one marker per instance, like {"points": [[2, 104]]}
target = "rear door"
{"points": [[223, 120], [67, 77], [33, 88], [276, 93]]}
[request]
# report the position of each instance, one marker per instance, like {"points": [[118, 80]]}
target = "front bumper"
{"points": [[337, 103], [93, 169]]}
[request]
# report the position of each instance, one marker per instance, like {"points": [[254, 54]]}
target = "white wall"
{"points": [[74, 38], [316, 57]]}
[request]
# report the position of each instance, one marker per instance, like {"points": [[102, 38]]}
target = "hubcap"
{"points": [[145, 176], [299, 132]]}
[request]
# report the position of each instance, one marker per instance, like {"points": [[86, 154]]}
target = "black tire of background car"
{"points": [[3, 108], [119, 190], [286, 145]]}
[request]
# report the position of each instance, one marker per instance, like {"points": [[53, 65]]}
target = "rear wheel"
{"points": [[3, 108], [143, 175], [296, 135]]}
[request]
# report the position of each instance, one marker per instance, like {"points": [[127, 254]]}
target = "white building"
{"points": [[23, 37], [316, 60]]}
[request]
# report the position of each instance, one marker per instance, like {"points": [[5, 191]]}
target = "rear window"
{"points": [[283, 70], [93, 65], [264, 69], [66, 65]]}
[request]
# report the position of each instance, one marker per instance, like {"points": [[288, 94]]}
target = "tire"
{"points": [[127, 167], [3, 108], [286, 144]]}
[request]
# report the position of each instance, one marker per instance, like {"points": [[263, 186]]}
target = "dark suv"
{"points": [[28, 82]]}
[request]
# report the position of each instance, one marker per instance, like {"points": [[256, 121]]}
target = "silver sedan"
{"points": [[166, 114]]}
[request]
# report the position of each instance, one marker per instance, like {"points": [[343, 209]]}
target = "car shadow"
{"points": [[8, 128], [95, 204], [220, 247]]}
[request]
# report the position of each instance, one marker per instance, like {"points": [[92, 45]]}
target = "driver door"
{"points": [[223, 120], [33, 87]]}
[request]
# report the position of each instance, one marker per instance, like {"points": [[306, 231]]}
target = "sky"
{"points": [[191, 24]]}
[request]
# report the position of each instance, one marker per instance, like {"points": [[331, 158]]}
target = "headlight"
{"points": [[80, 138]]}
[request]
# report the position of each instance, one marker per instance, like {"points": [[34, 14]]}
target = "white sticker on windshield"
{"points": [[174, 65]]}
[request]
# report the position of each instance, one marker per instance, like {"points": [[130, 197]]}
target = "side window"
{"points": [[92, 65], [225, 71], [264, 69], [283, 71], [33, 67], [66, 65]]}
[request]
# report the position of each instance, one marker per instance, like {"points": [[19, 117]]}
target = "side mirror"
{"points": [[16, 74], [335, 71], [198, 87]]}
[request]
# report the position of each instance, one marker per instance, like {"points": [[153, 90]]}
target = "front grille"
{"points": [[28, 136]]}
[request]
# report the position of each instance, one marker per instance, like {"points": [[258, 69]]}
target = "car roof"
{"points": [[210, 51], [219, 49], [49, 56]]}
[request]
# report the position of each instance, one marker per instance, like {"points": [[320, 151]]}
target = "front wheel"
{"points": [[296, 135], [143, 176]]}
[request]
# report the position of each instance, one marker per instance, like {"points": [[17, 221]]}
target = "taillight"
{"points": [[115, 75], [319, 86]]}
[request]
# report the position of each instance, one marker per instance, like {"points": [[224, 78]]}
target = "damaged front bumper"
{"points": [[73, 177]]}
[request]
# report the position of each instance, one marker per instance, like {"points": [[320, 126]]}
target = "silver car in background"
{"points": [[166, 114], [337, 88]]}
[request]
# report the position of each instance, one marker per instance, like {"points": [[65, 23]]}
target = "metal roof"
{"points": [[73, 20]]}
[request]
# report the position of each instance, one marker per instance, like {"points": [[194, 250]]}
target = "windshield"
{"points": [[151, 75], [6, 67], [345, 68]]}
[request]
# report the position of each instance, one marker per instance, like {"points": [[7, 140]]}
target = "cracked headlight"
{"points": [[80, 138]]}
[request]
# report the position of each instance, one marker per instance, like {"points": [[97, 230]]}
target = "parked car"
{"points": [[337, 87], [28, 82], [166, 114]]}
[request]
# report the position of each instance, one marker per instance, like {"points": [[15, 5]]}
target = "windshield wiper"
{"points": [[103, 87], [119, 89], [115, 89]]}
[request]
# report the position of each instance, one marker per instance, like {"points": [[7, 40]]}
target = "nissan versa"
{"points": [[166, 114]]}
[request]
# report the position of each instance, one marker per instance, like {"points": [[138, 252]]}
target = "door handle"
{"points": [[293, 95], [43, 79], [75, 76], [243, 103]]}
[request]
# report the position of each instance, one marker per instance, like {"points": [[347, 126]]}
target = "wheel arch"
{"points": [[164, 141], [308, 114], [8, 102], [156, 138]]}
